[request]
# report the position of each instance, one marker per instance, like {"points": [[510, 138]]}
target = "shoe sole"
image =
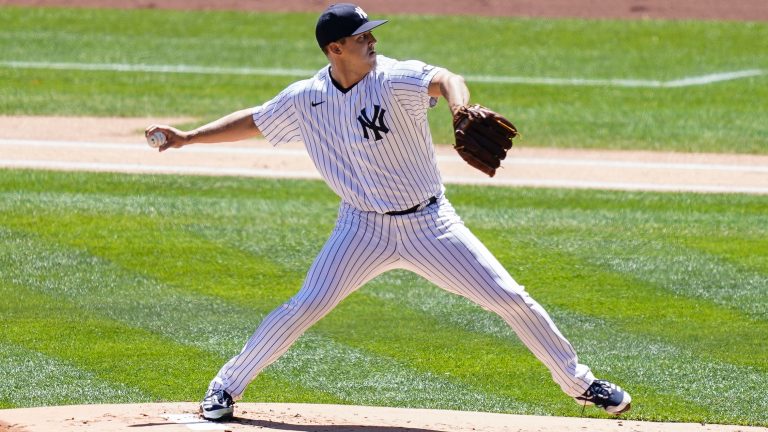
{"points": [[623, 407], [218, 415]]}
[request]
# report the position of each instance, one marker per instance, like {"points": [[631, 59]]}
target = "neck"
{"points": [[348, 75]]}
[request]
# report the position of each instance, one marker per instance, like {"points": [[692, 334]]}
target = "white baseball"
{"points": [[156, 139]]}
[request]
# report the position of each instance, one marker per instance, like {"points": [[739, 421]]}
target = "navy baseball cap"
{"points": [[342, 20]]}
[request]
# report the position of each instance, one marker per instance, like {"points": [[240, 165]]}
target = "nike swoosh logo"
{"points": [[314, 104]]}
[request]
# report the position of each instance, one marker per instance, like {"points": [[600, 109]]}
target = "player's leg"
{"points": [[445, 252], [357, 251]]}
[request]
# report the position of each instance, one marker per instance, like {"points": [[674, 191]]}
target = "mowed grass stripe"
{"points": [[206, 196], [266, 245], [91, 35], [680, 270], [745, 251], [370, 382], [405, 292], [101, 288], [162, 244], [108, 94], [632, 304], [270, 246], [722, 117], [665, 249], [124, 245], [147, 35], [477, 363], [34, 379], [327, 358], [404, 373], [116, 353], [590, 242], [660, 374]]}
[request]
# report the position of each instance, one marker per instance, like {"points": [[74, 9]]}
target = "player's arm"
{"points": [[450, 86], [233, 127]]}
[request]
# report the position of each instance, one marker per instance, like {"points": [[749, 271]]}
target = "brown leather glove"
{"points": [[483, 137]]}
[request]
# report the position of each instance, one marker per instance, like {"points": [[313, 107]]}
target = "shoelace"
{"points": [[599, 389], [602, 390], [215, 398]]}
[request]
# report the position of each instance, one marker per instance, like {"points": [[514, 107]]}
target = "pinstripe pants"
{"points": [[433, 243]]}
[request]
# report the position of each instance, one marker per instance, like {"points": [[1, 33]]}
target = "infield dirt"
{"points": [[117, 145], [182, 416]]}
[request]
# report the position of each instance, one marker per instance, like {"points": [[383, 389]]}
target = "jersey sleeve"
{"points": [[410, 83], [277, 119]]}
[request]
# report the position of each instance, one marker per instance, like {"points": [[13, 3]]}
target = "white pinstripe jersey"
{"points": [[372, 143]]}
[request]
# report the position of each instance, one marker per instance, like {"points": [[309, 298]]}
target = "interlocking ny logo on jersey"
{"points": [[371, 123]]}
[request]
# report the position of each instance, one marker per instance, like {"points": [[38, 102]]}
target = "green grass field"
{"points": [[127, 288], [720, 117]]}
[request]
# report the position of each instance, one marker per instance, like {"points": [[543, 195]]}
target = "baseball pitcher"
{"points": [[363, 121]]}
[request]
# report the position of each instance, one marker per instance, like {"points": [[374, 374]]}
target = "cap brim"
{"points": [[370, 25]]}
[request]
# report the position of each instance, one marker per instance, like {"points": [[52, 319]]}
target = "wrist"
{"points": [[189, 137], [456, 107]]}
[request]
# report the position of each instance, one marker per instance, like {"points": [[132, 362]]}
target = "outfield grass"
{"points": [[127, 288], [721, 117]]}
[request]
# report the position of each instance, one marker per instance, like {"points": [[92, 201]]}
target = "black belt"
{"points": [[415, 208]]}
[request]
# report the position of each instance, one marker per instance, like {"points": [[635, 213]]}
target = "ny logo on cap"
{"points": [[361, 12]]}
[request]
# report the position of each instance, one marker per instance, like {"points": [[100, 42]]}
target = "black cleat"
{"points": [[607, 396], [217, 406]]}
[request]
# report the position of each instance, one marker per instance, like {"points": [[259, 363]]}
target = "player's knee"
{"points": [[508, 298], [303, 305]]}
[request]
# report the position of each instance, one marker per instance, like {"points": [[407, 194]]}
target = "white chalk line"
{"points": [[269, 173], [684, 82], [283, 72], [300, 153]]}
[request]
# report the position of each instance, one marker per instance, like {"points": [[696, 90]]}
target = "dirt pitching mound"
{"points": [[264, 417]]}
